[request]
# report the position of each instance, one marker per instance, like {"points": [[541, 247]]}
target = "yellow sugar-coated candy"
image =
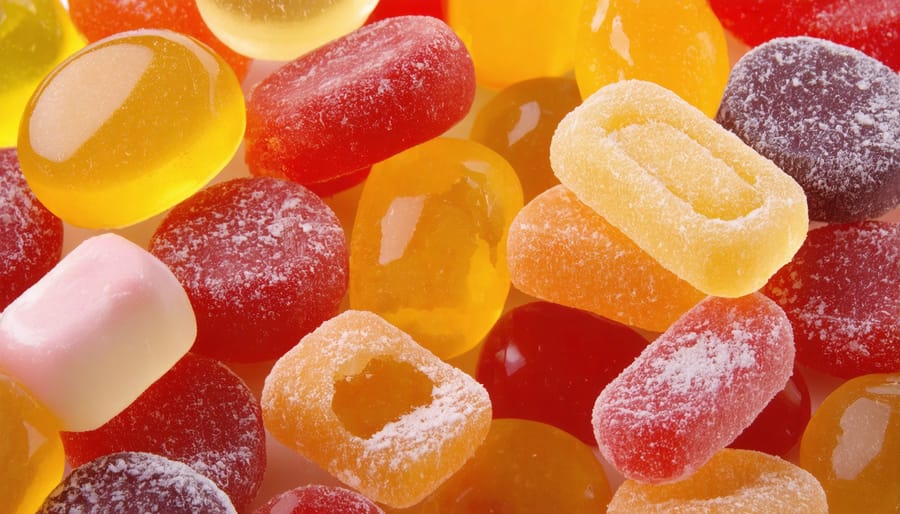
{"points": [[678, 44], [130, 126], [428, 250], [691, 194], [852, 445], [360, 398], [732, 482], [280, 31], [31, 452], [515, 40], [35, 35]]}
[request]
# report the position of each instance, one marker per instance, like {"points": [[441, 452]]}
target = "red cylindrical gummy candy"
{"points": [[778, 428], [264, 262], [695, 388], [358, 100]]}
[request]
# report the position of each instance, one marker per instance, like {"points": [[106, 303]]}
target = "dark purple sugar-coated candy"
{"points": [[827, 115]]}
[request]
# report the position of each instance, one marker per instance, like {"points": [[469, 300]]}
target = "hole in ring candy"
{"points": [[691, 194], [335, 398], [130, 126]]}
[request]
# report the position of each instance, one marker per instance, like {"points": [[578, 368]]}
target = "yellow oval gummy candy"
{"points": [[130, 126]]}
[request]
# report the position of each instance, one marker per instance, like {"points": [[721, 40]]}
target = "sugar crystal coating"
{"points": [[319, 499]]}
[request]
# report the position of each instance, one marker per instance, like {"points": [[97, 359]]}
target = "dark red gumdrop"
{"points": [[780, 425]]}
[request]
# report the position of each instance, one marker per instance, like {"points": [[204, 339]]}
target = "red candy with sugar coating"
{"points": [[695, 388], [358, 100], [31, 237], [778, 428], [199, 413], [842, 294], [263, 260], [319, 499]]}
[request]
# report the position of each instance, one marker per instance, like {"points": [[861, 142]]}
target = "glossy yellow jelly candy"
{"points": [[31, 452], [35, 35], [130, 126], [428, 250], [276, 30], [678, 44], [852, 445], [733, 481], [691, 194], [360, 398], [515, 40]]}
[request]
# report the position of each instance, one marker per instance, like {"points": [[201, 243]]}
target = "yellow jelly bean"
{"points": [[678, 44], [31, 452], [428, 251], [130, 126], [280, 31], [35, 35]]}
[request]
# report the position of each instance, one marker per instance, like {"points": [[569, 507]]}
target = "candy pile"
{"points": [[463, 258]]}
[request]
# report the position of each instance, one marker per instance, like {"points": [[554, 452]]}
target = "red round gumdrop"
{"points": [[781, 424], [358, 100], [840, 292], [263, 260], [198, 413], [31, 237], [392, 8], [546, 362], [319, 499]]}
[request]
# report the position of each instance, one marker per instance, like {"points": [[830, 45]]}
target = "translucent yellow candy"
{"points": [[278, 30], [35, 35], [130, 126], [511, 41], [691, 194], [428, 251], [31, 452], [678, 44]]}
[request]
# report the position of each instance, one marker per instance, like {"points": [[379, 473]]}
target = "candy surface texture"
{"points": [[319, 499]]}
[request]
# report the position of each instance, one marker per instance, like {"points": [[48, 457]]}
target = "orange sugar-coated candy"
{"points": [[523, 467], [518, 123], [363, 400], [852, 445], [732, 482], [561, 250]]}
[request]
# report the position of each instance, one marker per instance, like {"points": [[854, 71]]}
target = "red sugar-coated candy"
{"points": [[391, 8], [334, 186], [199, 413], [319, 499], [358, 100], [136, 482], [695, 388], [264, 262], [780, 425], [548, 363], [841, 294], [97, 19], [31, 237]]}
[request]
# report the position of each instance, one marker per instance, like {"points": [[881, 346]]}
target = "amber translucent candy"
{"points": [[523, 467], [361, 399], [31, 452], [519, 122], [852, 445], [678, 44], [733, 481], [428, 250], [130, 126]]}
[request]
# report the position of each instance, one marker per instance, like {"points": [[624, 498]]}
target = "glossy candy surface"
{"points": [[428, 250], [852, 442], [825, 114], [31, 237], [263, 260], [319, 499], [392, 8], [548, 363], [678, 44], [841, 294], [130, 126], [645, 160], [198, 413]]}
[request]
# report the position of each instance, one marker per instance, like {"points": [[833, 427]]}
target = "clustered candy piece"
{"points": [[778, 428], [825, 114], [130, 126], [319, 499], [393, 8], [263, 260]]}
